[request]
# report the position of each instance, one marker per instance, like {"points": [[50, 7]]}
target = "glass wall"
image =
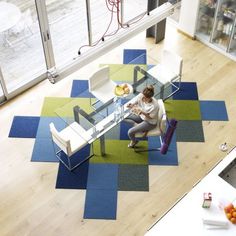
{"points": [[39, 35], [104, 19], [21, 52], [133, 9], [67, 24]]}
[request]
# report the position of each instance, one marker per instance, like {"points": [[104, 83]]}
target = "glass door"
{"points": [[67, 24], [2, 86], [232, 42], [22, 58], [223, 24], [134, 10], [206, 15]]}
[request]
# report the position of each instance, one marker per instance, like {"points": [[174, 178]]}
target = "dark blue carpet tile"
{"points": [[43, 150], [24, 126], [76, 179], [80, 89], [102, 176], [43, 128], [124, 127], [188, 91], [213, 110], [134, 56], [190, 131], [133, 178], [100, 204], [156, 158], [77, 157]]}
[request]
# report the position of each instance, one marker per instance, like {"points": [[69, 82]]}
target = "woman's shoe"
{"points": [[132, 144]]}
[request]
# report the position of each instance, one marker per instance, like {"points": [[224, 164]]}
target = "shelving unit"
{"points": [[216, 25]]}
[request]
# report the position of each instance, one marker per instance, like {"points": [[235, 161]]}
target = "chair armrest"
{"points": [[81, 131]]}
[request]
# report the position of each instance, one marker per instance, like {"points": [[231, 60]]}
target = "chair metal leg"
{"points": [[177, 88], [69, 166]]}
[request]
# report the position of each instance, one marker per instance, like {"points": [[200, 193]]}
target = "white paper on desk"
{"points": [[99, 127], [216, 226], [214, 216]]}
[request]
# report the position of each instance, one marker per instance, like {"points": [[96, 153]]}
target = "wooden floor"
{"points": [[29, 202]]}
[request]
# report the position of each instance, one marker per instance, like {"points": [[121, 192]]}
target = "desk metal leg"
{"points": [[102, 145], [162, 92]]}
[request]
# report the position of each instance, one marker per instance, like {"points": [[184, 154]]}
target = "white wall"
{"points": [[188, 16]]}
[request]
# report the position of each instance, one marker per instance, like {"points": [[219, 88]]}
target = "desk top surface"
{"points": [[186, 216]]}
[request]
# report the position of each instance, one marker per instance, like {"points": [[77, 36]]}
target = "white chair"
{"points": [[168, 72], [24, 24], [160, 128], [70, 140], [101, 86]]}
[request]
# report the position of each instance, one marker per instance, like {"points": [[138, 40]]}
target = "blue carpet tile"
{"points": [[24, 127], [213, 110], [77, 157], [156, 158], [134, 56], [102, 176], [100, 204], [43, 127], [80, 89], [76, 179], [124, 127], [43, 150], [188, 91]]}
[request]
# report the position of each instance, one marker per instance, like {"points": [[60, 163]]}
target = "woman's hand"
{"points": [[130, 105], [136, 110]]}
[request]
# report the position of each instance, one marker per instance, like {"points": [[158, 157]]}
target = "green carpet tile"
{"points": [[62, 106], [119, 72], [183, 109], [117, 152]]}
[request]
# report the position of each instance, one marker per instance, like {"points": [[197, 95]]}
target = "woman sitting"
{"points": [[144, 113]]}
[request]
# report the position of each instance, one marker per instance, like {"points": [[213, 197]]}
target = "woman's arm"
{"points": [[145, 114]]}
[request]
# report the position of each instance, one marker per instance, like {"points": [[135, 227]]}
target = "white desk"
{"points": [[185, 218], [10, 15]]}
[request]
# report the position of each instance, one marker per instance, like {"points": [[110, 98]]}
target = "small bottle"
{"points": [[118, 110], [206, 200]]}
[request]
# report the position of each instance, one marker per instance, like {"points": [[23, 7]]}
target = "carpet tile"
{"points": [[190, 131], [63, 107], [80, 89], [76, 179], [214, 110], [134, 56], [102, 176], [156, 158], [119, 72], [43, 150], [188, 91], [100, 204], [117, 152], [133, 178], [43, 127], [24, 127], [183, 109]]}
